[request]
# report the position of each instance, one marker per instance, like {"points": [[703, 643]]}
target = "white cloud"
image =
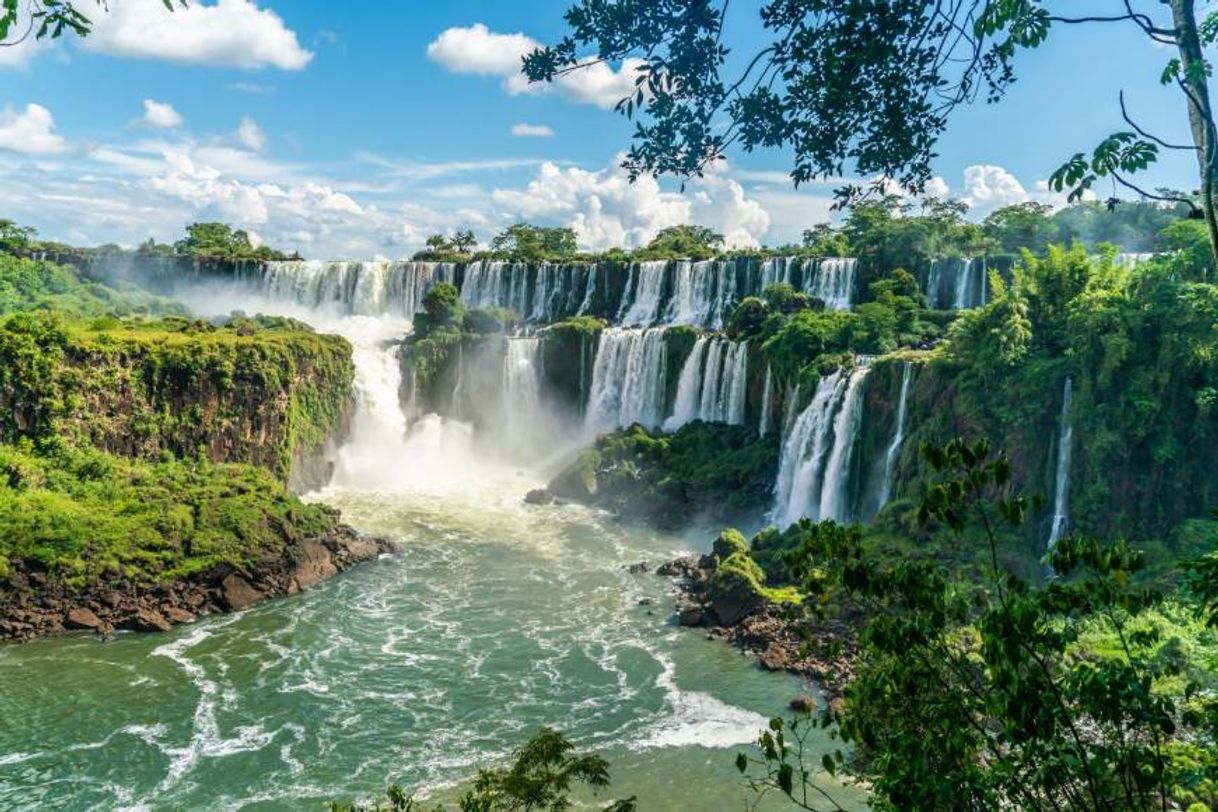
{"points": [[988, 187], [253, 88], [607, 210], [30, 131], [161, 115], [250, 135], [228, 33], [532, 131], [478, 50]]}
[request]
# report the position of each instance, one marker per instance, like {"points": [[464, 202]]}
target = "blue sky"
{"points": [[358, 134]]}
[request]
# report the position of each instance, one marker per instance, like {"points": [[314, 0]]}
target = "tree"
{"points": [[684, 242], [15, 237], [541, 776], [51, 18], [213, 239], [535, 243], [438, 244], [864, 88], [1022, 225], [464, 241]]}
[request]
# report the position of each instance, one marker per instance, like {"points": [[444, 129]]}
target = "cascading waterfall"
{"points": [[898, 437], [641, 296], [767, 400], [702, 294], [1061, 489], [957, 284], [689, 387], [353, 288], [776, 270], [628, 379], [521, 375], [712, 385], [832, 281], [815, 466]]}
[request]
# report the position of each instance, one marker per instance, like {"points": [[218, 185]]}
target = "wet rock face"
{"points": [[31, 605]]}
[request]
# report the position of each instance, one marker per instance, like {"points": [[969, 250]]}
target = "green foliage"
{"points": [[707, 469], [442, 310], [682, 242], [50, 18], [531, 243], [1088, 692], [258, 390], [540, 778], [85, 516], [27, 284], [221, 241]]}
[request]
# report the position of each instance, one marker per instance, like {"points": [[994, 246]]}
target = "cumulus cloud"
{"points": [[229, 33], [479, 51], [161, 115], [30, 131], [250, 135], [606, 210], [988, 187], [532, 131]]}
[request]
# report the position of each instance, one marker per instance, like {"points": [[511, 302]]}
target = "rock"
{"points": [[82, 618], [195, 600], [774, 658], [539, 496], [729, 541], [735, 590], [803, 704], [645, 601], [676, 568], [579, 481], [690, 616], [177, 615], [313, 565], [150, 620], [638, 569], [237, 594], [361, 549]]}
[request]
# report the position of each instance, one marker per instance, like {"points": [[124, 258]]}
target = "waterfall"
{"points": [[735, 383], [775, 270], [648, 282], [689, 388], [933, 281], [767, 399], [1061, 490], [521, 376], [628, 379], [712, 385], [703, 292], [353, 288], [832, 281], [817, 454], [898, 437], [1128, 260], [712, 381]]}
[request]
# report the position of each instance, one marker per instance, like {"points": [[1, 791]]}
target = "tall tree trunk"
{"points": [[1200, 111]]}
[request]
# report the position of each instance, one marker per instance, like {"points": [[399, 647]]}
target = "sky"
{"points": [[346, 133]]}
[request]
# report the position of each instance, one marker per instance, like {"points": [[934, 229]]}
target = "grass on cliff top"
{"points": [[85, 516]]}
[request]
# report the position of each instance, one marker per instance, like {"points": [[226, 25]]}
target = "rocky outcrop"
{"points": [[32, 605], [781, 637]]}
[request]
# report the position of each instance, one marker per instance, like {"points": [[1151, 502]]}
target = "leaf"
{"points": [[742, 762]]}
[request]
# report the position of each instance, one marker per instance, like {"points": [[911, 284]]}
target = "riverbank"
{"points": [[33, 605]]}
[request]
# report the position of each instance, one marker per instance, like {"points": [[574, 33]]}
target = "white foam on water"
{"points": [[697, 719]]}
